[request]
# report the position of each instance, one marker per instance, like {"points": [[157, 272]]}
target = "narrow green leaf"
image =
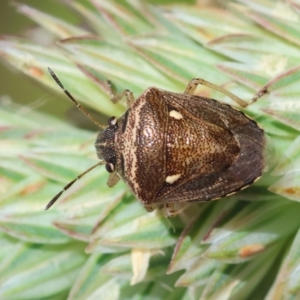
{"points": [[287, 283], [255, 53], [277, 17], [124, 68], [204, 24], [23, 216], [26, 117], [253, 230], [59, 27], [236, 281], [95, 19], [93, 283], [180, 61], [34, 60], [130, 226], [83, 211], [242, 73], [27, 274], [126, 18], [188, 250]]}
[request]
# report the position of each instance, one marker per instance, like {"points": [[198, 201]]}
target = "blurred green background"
{"points": [[13, 83]]}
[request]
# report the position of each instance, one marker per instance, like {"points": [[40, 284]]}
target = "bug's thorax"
{"points": [[137, 143]]}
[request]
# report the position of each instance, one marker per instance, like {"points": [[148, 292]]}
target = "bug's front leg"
{"points": [[115, 98], [113, 179], [192, 85], [170, 209], [173, 209], [150, 207]]}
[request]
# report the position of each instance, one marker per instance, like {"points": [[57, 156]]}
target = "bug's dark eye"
{"points": [[112, 121], [110, 168]]}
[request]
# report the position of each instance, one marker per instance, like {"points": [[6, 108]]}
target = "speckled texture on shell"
{"points": [[180, 148]]}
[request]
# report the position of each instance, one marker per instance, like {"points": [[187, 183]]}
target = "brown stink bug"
{"points": [[176, 148]]}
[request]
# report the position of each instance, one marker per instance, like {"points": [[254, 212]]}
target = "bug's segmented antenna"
{"points": [[72, 182], [78, 105], [92, 119]]}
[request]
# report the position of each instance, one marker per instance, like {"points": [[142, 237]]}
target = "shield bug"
{"points": [[177, 148]]}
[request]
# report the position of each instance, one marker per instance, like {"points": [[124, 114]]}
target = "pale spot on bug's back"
{"points": [[172, 178], [175, 114]]}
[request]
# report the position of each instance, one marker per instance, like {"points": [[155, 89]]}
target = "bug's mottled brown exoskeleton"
{"points": [[175, 148]]}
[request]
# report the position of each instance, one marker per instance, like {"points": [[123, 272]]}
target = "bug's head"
{"points": [[105, 144]]}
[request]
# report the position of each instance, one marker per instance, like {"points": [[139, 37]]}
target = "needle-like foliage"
{"points": [[98, 242]]}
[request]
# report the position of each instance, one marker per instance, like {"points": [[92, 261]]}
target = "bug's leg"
{"points": [[115, 98], [192, 85], [170, 210], [259, 94], [113, 179], [174, 209], [150, 207]]}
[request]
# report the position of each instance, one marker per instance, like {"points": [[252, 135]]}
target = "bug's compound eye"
{"points": [[112, 121], [110, 168]]}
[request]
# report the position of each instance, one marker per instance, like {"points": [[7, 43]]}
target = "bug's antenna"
{"points": [[72, 182], [78, 105]]}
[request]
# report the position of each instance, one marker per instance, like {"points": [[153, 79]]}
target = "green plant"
{"points": [[99, 243]]}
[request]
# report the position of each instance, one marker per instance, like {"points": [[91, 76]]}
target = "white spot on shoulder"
{"points": [[171, 179], [175, 114]]}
